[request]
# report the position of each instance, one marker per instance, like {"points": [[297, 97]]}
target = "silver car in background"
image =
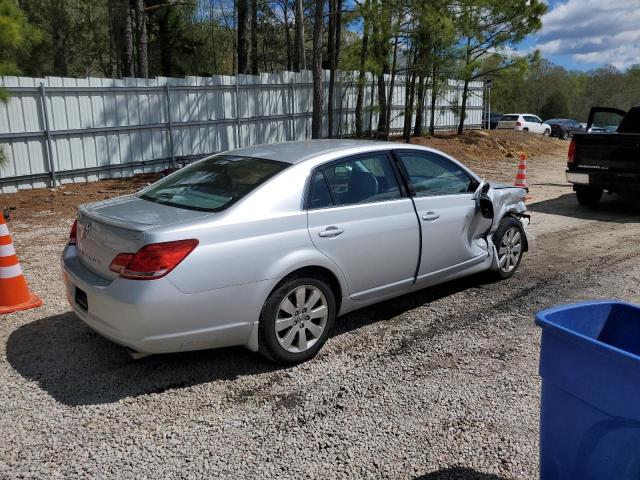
{"points": [[265, 246]]}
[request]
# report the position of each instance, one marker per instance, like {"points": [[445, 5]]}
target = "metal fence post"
{"points": [[237, 98], [47, 132], [292, 111], [170, 126]]}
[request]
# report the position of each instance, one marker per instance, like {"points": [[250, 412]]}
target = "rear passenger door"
{"points": [[451, 224], [359, 217]]}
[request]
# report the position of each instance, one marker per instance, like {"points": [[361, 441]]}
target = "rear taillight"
{"points": [[571, 155], [518, 124], [73, 235], [121, 261], [152, 261]]}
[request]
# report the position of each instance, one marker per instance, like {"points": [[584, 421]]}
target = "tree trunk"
{"points": [[301, 62], [463, 109], [254, 37], [243, 41], [59, 20], [362, 76], [382, 105], [331, 39], [393, 81], [142, 39], [336, 48], [373, 90], [434, 96], [465, 90], [408, 109], [287, 33], [166, 57], [316, 123], [127, 69], [114, 35], [417, 131]]}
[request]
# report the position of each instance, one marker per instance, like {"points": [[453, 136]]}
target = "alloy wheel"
{"points": [[301, 318], [510, 249]]}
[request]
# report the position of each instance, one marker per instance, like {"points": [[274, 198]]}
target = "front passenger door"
{"points": [[450, 221], [359, 217]]}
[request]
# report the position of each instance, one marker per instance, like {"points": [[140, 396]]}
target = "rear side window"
{"points": [[509, 118], [214, 184], [432, 175], [364, 179]]}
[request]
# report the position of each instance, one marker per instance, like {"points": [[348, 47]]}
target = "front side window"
{"points": [[433, 175], [214, 184], [364, 179], [530, 119]]}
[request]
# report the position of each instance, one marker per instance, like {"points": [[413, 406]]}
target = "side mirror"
{"points": [[486, 207]]}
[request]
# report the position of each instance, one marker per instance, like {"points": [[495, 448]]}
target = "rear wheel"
{"points": [[589, 197], [509, 241], [296, 320]]}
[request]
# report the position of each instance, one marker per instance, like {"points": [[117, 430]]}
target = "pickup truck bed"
{"points": [[599, 162]]}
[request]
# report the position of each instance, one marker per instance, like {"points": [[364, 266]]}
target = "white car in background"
{"points": [[525, 122]]}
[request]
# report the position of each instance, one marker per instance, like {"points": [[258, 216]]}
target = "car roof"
{"points": [[296, 152]]}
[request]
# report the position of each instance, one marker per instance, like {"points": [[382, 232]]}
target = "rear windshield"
{"points": [[214, 184], [509, 118]]}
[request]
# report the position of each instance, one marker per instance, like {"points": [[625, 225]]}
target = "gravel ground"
{"points": [[440, 384]]}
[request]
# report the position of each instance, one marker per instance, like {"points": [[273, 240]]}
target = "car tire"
{"points": [[546, 132], [525, 129], [286, 327], [589, 197], [564, 135], [506, 241]]}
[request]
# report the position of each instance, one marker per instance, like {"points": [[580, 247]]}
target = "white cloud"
{"points": [[593, 31]]}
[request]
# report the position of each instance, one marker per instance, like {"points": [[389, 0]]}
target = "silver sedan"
{"points": [[265, 246]]}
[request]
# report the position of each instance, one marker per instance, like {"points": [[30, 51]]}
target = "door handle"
{"points": [[430, 216], [331, 232]]}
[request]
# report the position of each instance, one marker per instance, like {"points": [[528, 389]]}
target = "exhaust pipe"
{"points": [[137, 355]]}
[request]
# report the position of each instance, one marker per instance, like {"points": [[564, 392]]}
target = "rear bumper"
{"points": [[155, 317], [620, 182]]}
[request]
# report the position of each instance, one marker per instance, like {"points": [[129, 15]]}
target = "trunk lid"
{"points": [[118, 225]]}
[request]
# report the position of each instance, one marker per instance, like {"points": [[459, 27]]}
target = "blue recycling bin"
{"points": [[590, 406]]}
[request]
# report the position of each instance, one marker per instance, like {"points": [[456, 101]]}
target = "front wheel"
{"points": [[296, 320], [509, 241], [546, 132], [589, 197]]}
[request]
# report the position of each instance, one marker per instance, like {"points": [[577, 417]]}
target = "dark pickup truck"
{"points": [[608, 160]]}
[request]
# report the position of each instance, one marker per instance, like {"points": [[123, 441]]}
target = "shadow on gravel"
{"points": [[76, 366], [459, 474], [612, 208], [405, 303]]}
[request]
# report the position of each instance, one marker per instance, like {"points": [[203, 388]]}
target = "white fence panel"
{"points": [[97, 128]]}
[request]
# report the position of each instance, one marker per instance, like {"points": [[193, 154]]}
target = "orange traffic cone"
{"points": [[14, 293], [521, 177]]}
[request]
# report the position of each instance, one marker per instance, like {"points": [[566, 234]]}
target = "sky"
{"points": [[587, 34]]}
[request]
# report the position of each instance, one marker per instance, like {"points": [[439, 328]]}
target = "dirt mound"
{"points": [[494, 145], [491, 152], [50, 204]]}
